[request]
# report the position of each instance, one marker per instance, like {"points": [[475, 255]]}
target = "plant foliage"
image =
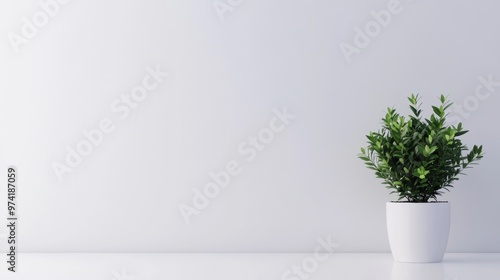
{"points": [[418, 158]]}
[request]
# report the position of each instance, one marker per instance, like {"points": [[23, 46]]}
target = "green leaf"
{"points": [[436, 110], [460, 133]]}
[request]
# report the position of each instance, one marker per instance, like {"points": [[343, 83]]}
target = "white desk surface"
{"points": [[369, 266]]}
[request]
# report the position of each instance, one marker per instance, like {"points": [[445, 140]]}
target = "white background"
{"points": [[226, 77]]}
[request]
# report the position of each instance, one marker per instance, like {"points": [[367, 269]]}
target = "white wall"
{"points": [[226, 77]]}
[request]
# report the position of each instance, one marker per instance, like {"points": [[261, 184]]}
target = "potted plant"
{"points": [[418, 159]]}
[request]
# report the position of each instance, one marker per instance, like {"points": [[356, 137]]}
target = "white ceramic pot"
{"points": [[418, 232]]}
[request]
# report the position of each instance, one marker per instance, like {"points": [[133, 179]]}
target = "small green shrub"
{"points": [[418, 158]]}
